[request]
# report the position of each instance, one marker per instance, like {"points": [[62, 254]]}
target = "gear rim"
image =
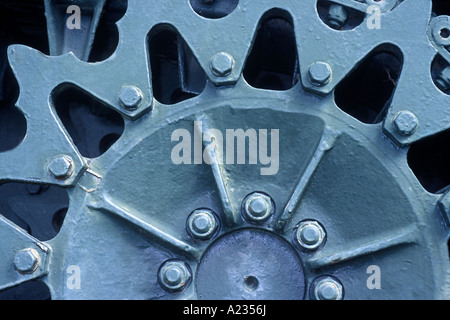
{"points": [[94, 178]]}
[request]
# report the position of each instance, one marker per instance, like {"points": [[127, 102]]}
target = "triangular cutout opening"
{"points": [[367, 91], [273, 61], [93, 126], [441, 7], [107, 34], [176, 74], [30, 290], [21, 201], [428, 159]]}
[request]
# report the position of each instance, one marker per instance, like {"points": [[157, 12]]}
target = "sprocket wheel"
{"points": [[249, 166]]}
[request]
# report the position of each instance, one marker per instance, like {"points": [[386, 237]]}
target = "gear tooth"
{"points": [[20, 51], [24, 58]]}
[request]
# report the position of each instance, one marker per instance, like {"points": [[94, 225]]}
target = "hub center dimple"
{"points": [[251, 283]]}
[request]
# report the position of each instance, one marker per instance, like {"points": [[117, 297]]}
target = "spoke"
{"points": [[175, 244], [399, 238], [78, 40], [326, 143], [212, 157]]}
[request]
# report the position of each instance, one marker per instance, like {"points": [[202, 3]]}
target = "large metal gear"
{"points": [[342, 213]]}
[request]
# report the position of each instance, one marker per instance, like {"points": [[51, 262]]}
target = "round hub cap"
{"points": [[250, 264]]}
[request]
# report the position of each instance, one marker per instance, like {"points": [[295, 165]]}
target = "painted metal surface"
{"points": [[128, 230]]}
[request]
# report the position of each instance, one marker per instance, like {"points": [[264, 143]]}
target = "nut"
{"points": [[258, 207], [26, 261], [320, 73], [310, 235], [202, 224], [61, 167], [337, 16], [406, 123], [174, 275], [443, 79], [130, 98], [222, 64], [328, 289]]}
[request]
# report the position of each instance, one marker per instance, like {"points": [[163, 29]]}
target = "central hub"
{"points": [[250, 264]]}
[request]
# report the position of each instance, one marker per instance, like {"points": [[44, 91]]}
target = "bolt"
{"points": [[406, 123], [443, 79], [202, 224], [174, 275], [320, 73], [222, 64], [61, 167], [258, 207], [337, 16], [310, 235], [130, 98], [26, 261], [328, 289]]}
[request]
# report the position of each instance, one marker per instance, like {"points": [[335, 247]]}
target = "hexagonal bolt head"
{"points": [[405, 122], [337, 16], [310, 235], [130, 98], [222, 64], [61, 167], [202, 224], [327, 289], [26, 261], [320, 73], [258, 207], [174, 275]]}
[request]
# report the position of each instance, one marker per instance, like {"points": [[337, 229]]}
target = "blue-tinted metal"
{"points": [[129, 208]]}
